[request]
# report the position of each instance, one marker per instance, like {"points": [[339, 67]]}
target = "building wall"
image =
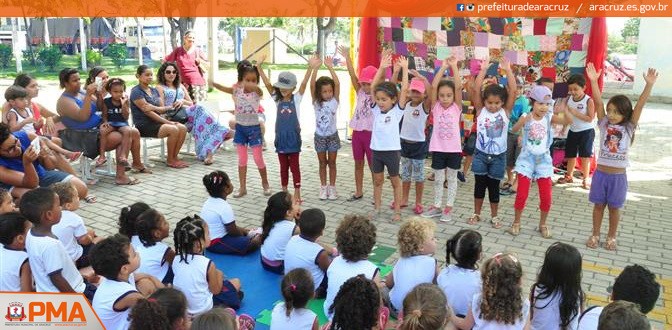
{"points": [[655, 50]]}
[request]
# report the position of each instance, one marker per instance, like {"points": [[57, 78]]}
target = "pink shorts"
{"points": [[361, 145]]}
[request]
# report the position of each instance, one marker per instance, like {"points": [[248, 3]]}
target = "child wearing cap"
{"points": [[413, 140], [361, 122], [534, 161], [287, 128]]}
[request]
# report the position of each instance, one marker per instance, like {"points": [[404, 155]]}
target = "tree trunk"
{"points": [[29, 41], [323, 31], [47, 38], [138, 49], [174, 27], [82, 42]]}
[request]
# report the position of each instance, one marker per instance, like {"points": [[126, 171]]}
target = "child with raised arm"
{"points": [[617, 132], [385, 139], [287, 127], [361, 122], [446, 143], [325, 92], [490, 155], [246, 96]]}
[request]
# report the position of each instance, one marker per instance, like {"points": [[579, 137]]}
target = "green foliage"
{"points": [[631, 28], [118, 53], [93, 57], [309, 49], [49, 56], [229, 24], [5, 55], [616, 44]]}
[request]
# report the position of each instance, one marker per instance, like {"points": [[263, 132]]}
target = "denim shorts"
{"points": [[330, 143], [610, 189], [54, 176], [247, 135], [491, 165], [534, 166]]}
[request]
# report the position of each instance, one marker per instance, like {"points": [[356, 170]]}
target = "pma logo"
{"points": [[15, 312]]}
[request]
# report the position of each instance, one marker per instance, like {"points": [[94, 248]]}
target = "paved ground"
{"points": [[644, 237]]}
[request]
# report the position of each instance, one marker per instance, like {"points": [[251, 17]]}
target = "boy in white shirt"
{"points": [[15, 272], [76, 238], [53, 270]]}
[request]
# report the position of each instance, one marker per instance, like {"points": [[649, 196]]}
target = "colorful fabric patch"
{"points": [[496, 26], [562, 73], [512, 27], [406, 22], [571, 25], [458, 52], [447, 24], [385, 22], [528, 27], [434, 23], [467, 38], [496, 54], [554, 26], [481, 39], [577, 59], [584, 26], [577, 42], [547, 43], [564, 42], [420, 23], [401, 48], [442, 52], [481, 53], [395, 22], [429, 38], [494, 40], [532, 43], [397, 34], [441, 38], [540, 26], [511, 56], [548, 72]]}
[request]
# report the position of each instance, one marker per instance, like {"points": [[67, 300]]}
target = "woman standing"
{"points": [[192, 64]]}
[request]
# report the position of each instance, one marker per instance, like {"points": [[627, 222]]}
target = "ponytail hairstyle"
{"points": [[216, 183], [215, 319], [160, 311], [502, 295], [244, 67], [465, 247], [297, 288], [147, 223], [425, 308], [276, 210], [560, 274], [188, 234], [356, 305], [128, 218]]}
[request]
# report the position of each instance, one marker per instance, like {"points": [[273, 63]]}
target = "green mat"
{"points": [[378, 256]]}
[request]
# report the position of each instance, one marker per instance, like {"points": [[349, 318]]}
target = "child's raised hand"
{"points": [[262, 59], [386, 60], [416, 74], [329, 62], [650, 76], [344, 51], [403, 62], [505, 65], [450, 61], [591, 73], [314, 62], [124, 99], [485, 63]]}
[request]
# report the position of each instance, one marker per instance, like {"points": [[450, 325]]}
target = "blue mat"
{"points": [[261, 287]]}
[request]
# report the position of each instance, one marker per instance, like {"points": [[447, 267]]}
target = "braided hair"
{"points": [[188, 234], [216, 184]]}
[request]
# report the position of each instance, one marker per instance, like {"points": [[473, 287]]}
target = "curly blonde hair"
{"points": [[413, 234], [502, 297]]}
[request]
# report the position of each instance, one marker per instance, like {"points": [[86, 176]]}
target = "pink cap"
{"points": [[367, 74], [541, 94], [417, 85]]}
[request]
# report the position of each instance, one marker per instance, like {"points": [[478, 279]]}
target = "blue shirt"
{"points": [[139, 117], [16, 164], [93, 121]]}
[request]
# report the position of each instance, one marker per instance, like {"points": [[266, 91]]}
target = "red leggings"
{"points": [[287, 162], [545, 193]]}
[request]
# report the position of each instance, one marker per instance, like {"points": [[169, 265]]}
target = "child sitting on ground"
{"points": [[355, 238], [7, 202], [52, 267], [127, 219], [15, 274], [164, 309], [417, 244], [461, 281], [222, 319], [196, 275], [425, 308], [75, 237], [277, 229], [303, 251], [297, 289], [358, 306], [155, 256]]}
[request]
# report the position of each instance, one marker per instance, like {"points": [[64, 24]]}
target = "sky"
{"points": [[615, 24]]}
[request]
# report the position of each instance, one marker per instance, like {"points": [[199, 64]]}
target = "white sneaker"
{"points": [[324, 194], [446, 215], [331, 193]]}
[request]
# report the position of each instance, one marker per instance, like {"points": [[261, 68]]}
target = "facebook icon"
{"points": [[460, 7]]}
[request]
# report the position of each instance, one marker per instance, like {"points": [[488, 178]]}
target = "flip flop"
{"points": [[75, 156], [131, 182], [353, 198], [123, 162], [178, 164], [143, 170], [246, 322], [91, 199], [101, 162]]}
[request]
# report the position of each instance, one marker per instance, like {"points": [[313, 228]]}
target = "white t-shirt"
{"points": [[325, 117], [109, 292], [47, 256], [615, 141], [385, 135], [299, 319], [491, 129], [68, 230], [342, 270], [590, 319], [460, 285], [192, 279], [151, 260], [217, 213], [537, 134], [481, 324], [409, 272], [11, 262], [546, 314], [303, 253], [275, 244], [413, 124], [581, 106]]}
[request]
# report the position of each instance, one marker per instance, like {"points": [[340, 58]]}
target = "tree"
{"points": [[631, 28], [181, 25], [323, 31], [230, 24]]}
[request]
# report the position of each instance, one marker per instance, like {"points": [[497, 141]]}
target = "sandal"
{"points": [[90, 199], [246, 322], [515, 229], [101, 161], [496, 222], [178, 164], [268, 191], [610, 244], [143, 170], [354, 197], [240, 193], [400, 206], [123, 162], [544, 231], [593, 242], [565, 179], [396, 217], [131, 182], [474, 219], [506, 186], [585, 185], [75, 156]]}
